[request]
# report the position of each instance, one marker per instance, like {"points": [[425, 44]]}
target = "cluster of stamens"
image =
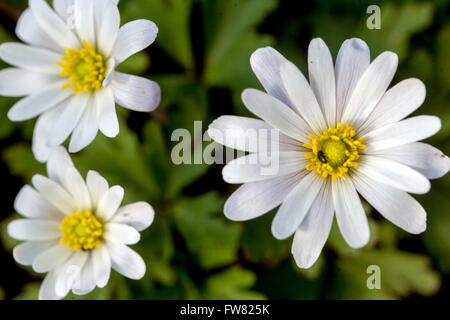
{"points": [[334, 151], [85, 68], [82, 230]]}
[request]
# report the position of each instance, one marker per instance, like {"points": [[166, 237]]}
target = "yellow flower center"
{"points": [[334, 151], [85, 68], [82, 230]]}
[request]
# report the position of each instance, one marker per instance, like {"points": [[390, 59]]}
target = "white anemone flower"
{"points": [[340, 134], [66, 70], [76, 231]]}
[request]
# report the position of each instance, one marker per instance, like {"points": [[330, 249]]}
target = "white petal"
{"points": [[426, 159], [42, 129], [58, 163], [108, 26], [106, 112], [351, 62], [52, 258], [70, 272], [53, 25], [101, 13], [37, 103], [26, 252], [254, 199], [78, 189], [139, 215], [126, 261], [54, 194], [276, 114], [84, 20], [64, 8], [30, 58], [397, 206], [102, 265], [370, 88], [110, 202], [29, 31], [47, 290], [321, 77], [312, 234], [86, 282], [350, 215], [121, 233], [257, 167], [303, 97], [31, 204], [19, 82], [97, 186], [133, 37], [69, 119], [136, 93], [85, 131], [394, 174], [248, 134], [296, 205], [266, 64], [402, 132], [35, 230], [397, 103]]}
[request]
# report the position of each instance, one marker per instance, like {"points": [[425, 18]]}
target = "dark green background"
{"points": [[201, 60]]}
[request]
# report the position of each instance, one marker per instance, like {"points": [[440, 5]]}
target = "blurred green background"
{"points": [[201, 60]]}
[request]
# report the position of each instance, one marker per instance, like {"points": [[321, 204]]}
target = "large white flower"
{"points": [[77, 231], [66, 70], [340, 134]]}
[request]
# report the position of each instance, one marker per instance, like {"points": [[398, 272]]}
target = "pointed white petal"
{"points": [[126, 261], [312, 234], [266, 64], [426, 159], [321, 77], [84, 20], [30, 204], [102, 265], [295, 206], [86, 130], [70, 272], [34, 230], [97, 186], [254, 199], [139, 215], [370, 88], [351, 62], [54, 194], [402, 132], [394, 174], [78, 189], [276, 114], [110, 202], [58, 163], [37, 103], [19, 82], [303, 97], [397, 206], [106, 112], [350, 215], [133, 37], [86, 282], [47, 289], [107, 26], [136, 93], [121, 233]]}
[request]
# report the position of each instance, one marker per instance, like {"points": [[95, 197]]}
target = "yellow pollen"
{"points": [[334, 152], [82, 230], [85, 68]]}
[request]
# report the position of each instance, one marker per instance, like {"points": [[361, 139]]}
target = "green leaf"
{"points": [[21, 161], [234, 284], [259, 246], [200, 222], [231, 38], [172, 18], [402, 273]]}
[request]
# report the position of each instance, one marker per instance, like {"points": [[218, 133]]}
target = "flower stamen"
{"points": [[82, 230], [85, 68], [334, 151]]}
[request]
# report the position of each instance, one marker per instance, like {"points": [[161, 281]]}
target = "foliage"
{"points": [[192, 251]]}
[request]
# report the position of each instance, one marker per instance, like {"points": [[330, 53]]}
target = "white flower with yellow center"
{"points": [[76, 231], [340, 134], [66, 70]]}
